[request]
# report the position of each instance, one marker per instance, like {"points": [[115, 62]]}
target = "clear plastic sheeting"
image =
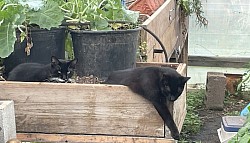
{"points": [[228, 30]]}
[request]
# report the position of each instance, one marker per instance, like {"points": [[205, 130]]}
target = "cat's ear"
{"points": [[54, 60], [73, 63], [185, 79]]}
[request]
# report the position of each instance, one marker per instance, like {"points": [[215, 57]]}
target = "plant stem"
{"points": [[5, 6]]}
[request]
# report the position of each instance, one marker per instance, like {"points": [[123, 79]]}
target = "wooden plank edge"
{"points": [[36, 137], [156, 13], [180, 125], [144, 64], [206, 61], [182, 44], [182, 69]]}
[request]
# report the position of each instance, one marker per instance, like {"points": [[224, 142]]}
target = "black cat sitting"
{"points": [[156, 84], [58, 69]]}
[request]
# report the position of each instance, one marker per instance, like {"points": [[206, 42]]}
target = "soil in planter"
{"points": [[87, 80]]}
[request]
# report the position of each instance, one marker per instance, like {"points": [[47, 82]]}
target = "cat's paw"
{"points": [[176, 136], [56, 79], [70, 80]]}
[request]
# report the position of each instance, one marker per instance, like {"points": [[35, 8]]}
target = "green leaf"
{"points": [[11, 1], [69, 47], [242, 131], [9, 17], [98, 12], [12, 13], [99, 23], [245, 139], [7, 39], [131, 16], [1, 4], [22, 36], [48, 16], [248, 108], [20, 20], [234, 139], [20, 10]]}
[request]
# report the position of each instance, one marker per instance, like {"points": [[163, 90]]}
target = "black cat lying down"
{"points": [[58, 70], [156, 84]]}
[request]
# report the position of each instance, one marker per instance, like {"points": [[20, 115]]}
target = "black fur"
{"points": [[36, 72], [156, 84]]}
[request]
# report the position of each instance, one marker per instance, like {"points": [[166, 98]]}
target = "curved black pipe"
{"points": [[162, 46]]}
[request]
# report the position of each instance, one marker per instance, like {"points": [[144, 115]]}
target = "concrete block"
{"points": [[215, 90], [7, 121]]}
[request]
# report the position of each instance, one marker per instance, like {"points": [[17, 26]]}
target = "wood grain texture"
{"points": [[60, 138], [172, 65], [159, 23], [183, 58], [167, 24], [89, 109], [81, 108], [179, 106], [181, 45]]}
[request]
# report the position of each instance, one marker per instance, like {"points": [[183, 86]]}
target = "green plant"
{"points": [[142, 52], [243, 135], [233, 113], [19, 15], [193, 7], [243, 85], [98, 14], [69, 47], [192, 122]]}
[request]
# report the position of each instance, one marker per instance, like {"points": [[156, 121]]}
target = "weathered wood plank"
{"points": [[159, 23], [179, 107], [183, 57], [181, 45], [172, 65], [89, 138], [89, 109], [161, 16], [179, 110], [168, 24], [205, 61], [81, 108]]}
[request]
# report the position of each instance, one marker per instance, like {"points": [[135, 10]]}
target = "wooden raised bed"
{"points": [[171, 28], [64, 112]]}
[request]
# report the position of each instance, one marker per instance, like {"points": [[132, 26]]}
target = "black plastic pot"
{"points": [[101, 52], [46, 43]]}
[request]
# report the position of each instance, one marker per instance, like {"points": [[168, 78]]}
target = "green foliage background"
{"points": [[17, 14]]}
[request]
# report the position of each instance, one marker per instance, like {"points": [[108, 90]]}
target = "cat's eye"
{"points": [[59, 72], [68, 72]]}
